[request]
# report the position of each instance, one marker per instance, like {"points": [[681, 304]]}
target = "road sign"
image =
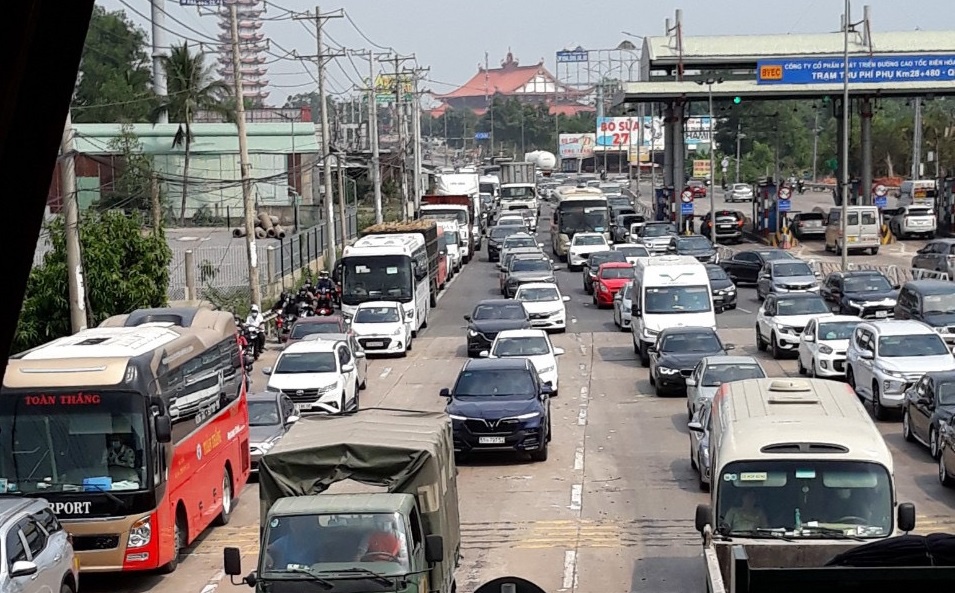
{"points": [[881, 190], [482, 136], [687, 196], [724, 169], [783, 205], [832, 164], [687, 208], [725, 163], [785, 193], [880, 201]]}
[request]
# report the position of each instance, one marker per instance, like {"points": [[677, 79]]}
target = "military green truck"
{"points": [[361, 503]]}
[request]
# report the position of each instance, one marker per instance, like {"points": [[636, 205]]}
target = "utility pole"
{"points": [[917, 140], [402, 135], [248, 204], [74, 261], [373, 129], [320, 61], [158, 18], [417, 73], [156, 204], [739, 139], [815, 144]]}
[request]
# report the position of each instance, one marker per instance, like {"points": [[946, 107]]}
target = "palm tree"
{"points": [[191, 88]]}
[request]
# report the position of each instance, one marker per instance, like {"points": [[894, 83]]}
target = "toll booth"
{"points": [[764, 207], [945, 206]]}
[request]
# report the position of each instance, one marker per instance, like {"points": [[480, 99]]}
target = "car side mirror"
{"points": [[360, 355], [905, 517], [467, 318], [635, 311], [547, 388], [690, 382], [23, 568], [292, 419], [729, 347], [163, 426], [652, 349], [540, 244], [695, 426], [433, 548], [866, 355], [809, 337], [558, 351], [485, 354], [565, 298], [704, 517], [445, 392], [348, 368], [267, 371]]}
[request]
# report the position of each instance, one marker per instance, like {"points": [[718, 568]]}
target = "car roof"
{"points": [[899, 327], [496, 302], [509, 362], [373, 304], [310, 345], [837, 318], [858, 273], [314, 319], [588, 234], [538, 285], [941, 375], [616, 264], [328, 337], [263, 396], [773, 263], [521, 333], [792, 296], [724, 359], [688, 330], [932, 286]]}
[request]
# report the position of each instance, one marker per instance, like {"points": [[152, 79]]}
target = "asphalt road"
{"points": [[610, 510]]}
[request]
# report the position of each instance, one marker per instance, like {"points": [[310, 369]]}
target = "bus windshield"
{"points": [[583, 220], [804, 498], [376, 278], [89, 441]]}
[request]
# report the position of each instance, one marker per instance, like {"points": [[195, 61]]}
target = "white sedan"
{"points": [[544, 304], [823, 345], [581, 246], [381, 328], [533, 344]]}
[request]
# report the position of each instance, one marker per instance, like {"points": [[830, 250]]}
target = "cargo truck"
{"points": [[428, 230], [464, 184], [519, 186], [451, 207], [361, 503]]}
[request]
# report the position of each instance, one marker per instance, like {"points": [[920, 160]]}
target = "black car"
{"points": [[593, 264], [723, 289], [744, 266], [927, 404], [931, 302], [729, 225], [271, 414], [528, 269], [864, 293], [499, 404], [696, 246], [491, 316], [677, 352], [496, 236]]}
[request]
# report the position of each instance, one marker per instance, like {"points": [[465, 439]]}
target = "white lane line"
{"points": [[582, 413], [748, 312], [385, 373], [576, 496], [583, 350], [213, 583], [570, 571], [579, 459]]}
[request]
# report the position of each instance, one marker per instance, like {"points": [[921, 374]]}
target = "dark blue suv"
{"points": [[500, 404]]}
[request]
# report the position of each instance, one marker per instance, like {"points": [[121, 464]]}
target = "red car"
{"points": [[611, 277], [698, 187]]}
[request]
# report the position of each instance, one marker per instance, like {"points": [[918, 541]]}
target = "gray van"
{"points": [[864, 229]]}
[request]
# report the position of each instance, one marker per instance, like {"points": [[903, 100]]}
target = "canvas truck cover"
{"points": [[403, 452], [457, 184]]}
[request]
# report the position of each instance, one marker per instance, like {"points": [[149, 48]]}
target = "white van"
{"points": [[452, 237], [864, 229], [668, 291], [798, 458]]}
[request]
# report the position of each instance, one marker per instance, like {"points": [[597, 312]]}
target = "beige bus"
{"points": [[798, 459]]}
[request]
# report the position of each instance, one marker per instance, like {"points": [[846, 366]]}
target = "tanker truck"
{"points": [[545, 161]]}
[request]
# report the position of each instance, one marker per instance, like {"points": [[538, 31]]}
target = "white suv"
{"points": [[581, 246], [319, 375], [887, 357]]}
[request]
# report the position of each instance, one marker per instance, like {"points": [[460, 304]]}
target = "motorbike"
{"points": [[324, 302], [800, 188]]}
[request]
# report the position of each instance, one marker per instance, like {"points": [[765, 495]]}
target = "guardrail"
{"points": [[895, 274]]}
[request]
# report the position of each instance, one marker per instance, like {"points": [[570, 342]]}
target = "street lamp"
{"points": [[845, 137], [709, 82], [739, 137]]}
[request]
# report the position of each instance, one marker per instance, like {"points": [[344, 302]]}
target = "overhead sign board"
{"points": [[482, 135], [387, 87], [573, 56], [577, 146], [200, 2], [871, 69], [618, 132], [701, 168]]}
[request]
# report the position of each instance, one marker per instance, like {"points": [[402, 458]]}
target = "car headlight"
{"points": [[890, 373], [398, 331], [705, 454], [669, 371], [649, 333], [527, 416], [456, 417], [140, 533], [472, 333], [603, 288], [824, 349], [855, 304], [785, 329], [546, 370]]}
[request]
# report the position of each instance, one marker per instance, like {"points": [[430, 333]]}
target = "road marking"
{"points": [[583, 350], [576, 496], [385, 373], [747, 311], [579, 459], [570, 571], [573, 320], [213, 583], [582, 413]]}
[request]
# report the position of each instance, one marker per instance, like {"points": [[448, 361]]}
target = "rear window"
{"points": [[810, 216], [919, 212]]}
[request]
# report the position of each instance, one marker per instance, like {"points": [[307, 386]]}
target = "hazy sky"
{"points": [[452, 36]]}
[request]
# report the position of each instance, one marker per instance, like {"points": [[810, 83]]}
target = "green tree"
{"points": [[191, 88], [114, 81], [124, 269], [311, 100], [131, 189]]}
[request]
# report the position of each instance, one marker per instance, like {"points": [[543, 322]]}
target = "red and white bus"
{"points": [[137, 432]]}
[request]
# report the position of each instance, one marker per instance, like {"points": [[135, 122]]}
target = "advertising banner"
{"points": [[577, 146], [618, 132], [624, 132], [906, 68], [701, 168], [386, 86]]}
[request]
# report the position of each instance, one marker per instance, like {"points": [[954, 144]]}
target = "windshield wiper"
{"points": [[110, 495], [380, 579], [313, 575], [831, 531], [762, 532]]}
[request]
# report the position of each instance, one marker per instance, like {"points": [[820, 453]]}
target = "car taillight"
{"points": [[740, 223]]}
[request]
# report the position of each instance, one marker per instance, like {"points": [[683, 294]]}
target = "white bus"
{"points": [[388, 268], [578, 210], [798, 458]]}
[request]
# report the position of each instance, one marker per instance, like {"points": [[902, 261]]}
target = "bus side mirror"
{"points": [[906, 516], [433, 548], [163, 426], [704, 517]]}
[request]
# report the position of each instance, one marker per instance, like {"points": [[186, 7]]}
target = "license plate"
{"points": [[305, 406], [852, 239], [491, 440], [725, 227], [881, 313], [376, 344]]}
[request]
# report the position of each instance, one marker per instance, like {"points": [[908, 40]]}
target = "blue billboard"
{"points": [[862, 69]]}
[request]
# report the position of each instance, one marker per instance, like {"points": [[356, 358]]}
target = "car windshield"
{"points": [[301, 330], [377, 315], [867, 283], [502, 231], [505, 383], [945, 393], [936, 304], [538, 294], [693, 243], [912, 345], [684, 343], [795, 268], [305, 362], [740, 186], [837, 330], [601, 257], [489, 312], [717, 374], [677, 299], [264, 413], [532, 265], [716, 273], [775, 254], [589, 240], [526, 346], [633, 251], [808, 306], [513, 241], [657, 230], [616, 273]]}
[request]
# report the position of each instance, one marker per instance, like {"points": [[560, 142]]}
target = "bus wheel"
{"points": [[178, 543], [227, 499]]}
